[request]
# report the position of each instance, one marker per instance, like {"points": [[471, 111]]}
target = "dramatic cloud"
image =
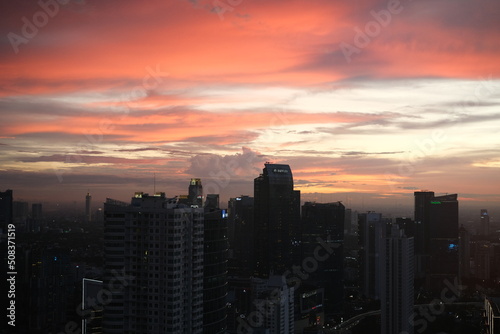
{"points": [[374, 98]]}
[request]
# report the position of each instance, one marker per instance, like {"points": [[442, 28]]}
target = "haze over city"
{"points": [[368, 101]]}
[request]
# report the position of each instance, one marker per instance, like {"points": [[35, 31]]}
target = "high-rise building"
{"points": [[36, 217], [397, 256], [422, 220], [436, 239], [277, 220], [88, 210], [195, 196], [484, 223], [372, 233], [6, 213], [443, 242], [241, 235], [211, 202], [482, 260], [464, 253], [153, 266], [92, 308], [20, 212], [215, 269], [324, 223], [274, 303]]}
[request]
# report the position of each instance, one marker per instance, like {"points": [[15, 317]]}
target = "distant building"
{"points": [[153, 266], [324, 223], [6, 210], [211, 202], [20, 212], [195, 196], [372, 233], [215, 268], [482, 259], [484, 223], [277, 220], [436, 239], [36, 217], [88, 209], [398, 266], [464, 253], [274, 303], [241, 235]]}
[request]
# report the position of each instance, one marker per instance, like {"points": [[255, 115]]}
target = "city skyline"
{"points": [[367, 101]]}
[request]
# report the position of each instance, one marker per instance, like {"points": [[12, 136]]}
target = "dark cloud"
{"points": [[247, 163]]}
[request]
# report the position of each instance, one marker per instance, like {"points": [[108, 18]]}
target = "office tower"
{"points": [[422, 220], [36, 217], [50, 284], [482, 259], [241, 235], [372, 233], [20, 212], [195, 195], [6, 210], [464, 253], [443, 242], [324, 223], [277, 220], [484, 223], [153, 266], [215, 269], [274, 303], [211, 202], [397, 257], [436, 239], [88, 210], [92, 308]]}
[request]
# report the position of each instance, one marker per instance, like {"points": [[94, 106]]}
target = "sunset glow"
{"points": [[107, 93]]}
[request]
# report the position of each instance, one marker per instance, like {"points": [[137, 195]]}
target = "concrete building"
{"points": [[153, 266], [398, 266]]}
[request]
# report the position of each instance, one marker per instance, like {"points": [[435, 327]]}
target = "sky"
{"points": [[366, 100]]}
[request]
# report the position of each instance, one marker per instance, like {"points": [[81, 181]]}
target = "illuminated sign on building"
{"points": [[280, 171]]}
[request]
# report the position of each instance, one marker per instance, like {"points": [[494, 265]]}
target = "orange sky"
{"points": [[364, 99]]}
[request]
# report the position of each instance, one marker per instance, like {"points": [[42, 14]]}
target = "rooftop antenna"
{"points": [[154, 183]]}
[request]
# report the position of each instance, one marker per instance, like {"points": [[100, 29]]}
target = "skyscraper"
{"points": [[324, 222], [6, 213], [153, 266], [241, 235], [277, 220], [436, 238], [443, 242], [397, 257], [372, 233], [422, 220], [88, 210], [215, 269], [484, 223], [464, 253], [195, 196]]}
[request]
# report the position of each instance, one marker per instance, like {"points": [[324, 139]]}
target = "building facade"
{"points": [[397, 256], [153, 266]]}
